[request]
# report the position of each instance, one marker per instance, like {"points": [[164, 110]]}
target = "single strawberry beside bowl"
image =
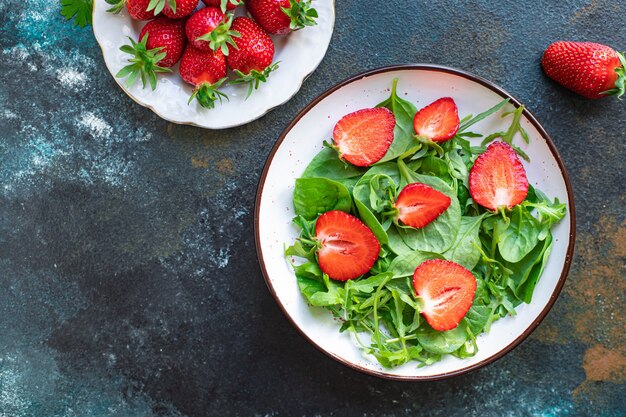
{"points": [[224, 5], [280, 17], [590, 69], [206, 71], [161, 44], [137, 9], [252, 57], [208, 29], [174, 9]]}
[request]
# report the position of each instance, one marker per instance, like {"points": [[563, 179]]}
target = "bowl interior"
{"points": [[301, 142], [298, 55]]}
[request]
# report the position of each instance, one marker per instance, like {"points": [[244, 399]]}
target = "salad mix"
{"points": [[414, 235]]}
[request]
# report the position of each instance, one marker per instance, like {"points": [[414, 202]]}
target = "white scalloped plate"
{"points": [[302, 140], [299, 54]]}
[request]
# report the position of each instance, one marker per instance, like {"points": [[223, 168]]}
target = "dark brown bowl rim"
{"points": [[555, 153]]}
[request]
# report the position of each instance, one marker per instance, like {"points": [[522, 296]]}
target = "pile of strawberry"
{"points": [[209, 41]]}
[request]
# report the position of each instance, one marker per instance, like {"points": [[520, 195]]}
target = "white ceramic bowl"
{"points": [[302, 140], [299, 54]]}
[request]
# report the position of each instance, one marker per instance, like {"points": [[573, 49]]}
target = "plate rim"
{"points": [[146, 105], [498, 90]]}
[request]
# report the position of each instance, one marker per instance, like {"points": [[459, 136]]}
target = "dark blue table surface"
{"points": [[129, 281]]}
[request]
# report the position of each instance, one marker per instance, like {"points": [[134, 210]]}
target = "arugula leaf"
{"points": [[404, 133], [465, 124], [314, 196], [79, 10]]}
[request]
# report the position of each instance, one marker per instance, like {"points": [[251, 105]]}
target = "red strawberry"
{"points": [[589, 69], [439, 121], [497, 178], [363, 137], [137, 9], [160, 46], [174, 9], [223, 4], [252, 58], [280, 17], [206, 71], [418, 204], [447, 291], [166, 33], [348, 248], [209, 30]]}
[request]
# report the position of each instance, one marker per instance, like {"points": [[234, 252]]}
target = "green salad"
{"points": [[505, 248]]}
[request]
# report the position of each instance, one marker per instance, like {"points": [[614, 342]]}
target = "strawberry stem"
{"points": [[143, 64], [254, 78], [158, 5], [118, 5], [224, 4], [301, 13], [221, 36], [207, 94], [620, 83]]}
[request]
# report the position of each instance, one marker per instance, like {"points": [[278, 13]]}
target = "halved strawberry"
{"points": [[439, 121], [418, 204], [498, 178], [363, 137], [447, 290], [348, 248]]}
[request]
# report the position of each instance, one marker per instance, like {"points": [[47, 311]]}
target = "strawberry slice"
{"points": [[363, 137], [348, 248], [447, 290], [497, 178], [439, 121], [418, 204]]}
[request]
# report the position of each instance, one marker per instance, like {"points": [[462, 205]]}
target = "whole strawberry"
{"points": [[252, 59], [206, 71], [589, 69], [208, 29], [280, 17], [137, 9], [223, 4], [174, 9], [161, 44]]}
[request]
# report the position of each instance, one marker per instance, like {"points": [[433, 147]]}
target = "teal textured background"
{"points": [[129, 283]]}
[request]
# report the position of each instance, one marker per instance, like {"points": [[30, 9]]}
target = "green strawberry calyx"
{"points": [[118, 5], [620, 83], [224, 4], [143, 64], [301, 13], [254, 78], [221, 36], [207, 94], [158, 5]]}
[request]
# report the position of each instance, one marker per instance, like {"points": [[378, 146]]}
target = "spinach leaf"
{"points": [[464, 250], [525, 290], [439, 235], [314, 196], [404, 265], [442, 342], [403, 133], [371, 221], [396, 243], [327, 164], [367, 285], [517, 237], [477, 318], [431, 165]]}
